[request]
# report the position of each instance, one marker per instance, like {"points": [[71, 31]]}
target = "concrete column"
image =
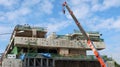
{"points": [[24, 63], [28, 62], [47, 62], [34, 32], [41, 63], [53, 63], [34, 62]]}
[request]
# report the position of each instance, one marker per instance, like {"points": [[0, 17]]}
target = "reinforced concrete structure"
{"points": [[35, 49]]}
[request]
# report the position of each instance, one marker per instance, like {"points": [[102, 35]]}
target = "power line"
{"points": [[5, 33]]}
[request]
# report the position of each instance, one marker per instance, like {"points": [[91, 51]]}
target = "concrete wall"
{"points": [[59, 43], [63, 51], [68, 63], [77, 52], [110, 64], [11, 63]]}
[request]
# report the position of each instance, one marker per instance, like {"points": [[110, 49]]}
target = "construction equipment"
{"points": [[89, 42]]}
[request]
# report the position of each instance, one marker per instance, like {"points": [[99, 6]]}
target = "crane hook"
{"points": [[64, 6], [63, 10]]}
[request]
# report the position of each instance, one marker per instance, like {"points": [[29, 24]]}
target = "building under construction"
{"points": [[31, 47]]}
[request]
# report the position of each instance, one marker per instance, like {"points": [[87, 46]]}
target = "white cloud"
{"points": [[80, 9], [116, 23], [108, 24], [14, 15], [55, 24], [105, 24], [2, 18], [29, 3], [75, 2], [46, 6], [106, 4], [112, 52], [5, 29], [25, 9], [111, 3], [81, 12], [9, 4], [96, 5]]}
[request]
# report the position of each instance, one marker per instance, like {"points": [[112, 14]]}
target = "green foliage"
{"points": [[14, 50], [117, 65]]}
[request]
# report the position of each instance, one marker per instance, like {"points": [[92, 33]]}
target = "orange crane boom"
{"points": [[89, 42]]}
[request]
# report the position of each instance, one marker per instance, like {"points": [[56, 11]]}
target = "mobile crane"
{"points": [[89, 42]]}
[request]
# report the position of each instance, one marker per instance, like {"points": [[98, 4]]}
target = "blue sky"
{"points": [[94, 15]]}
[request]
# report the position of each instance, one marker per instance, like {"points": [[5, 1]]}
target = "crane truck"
{"points": [[89, 42]]}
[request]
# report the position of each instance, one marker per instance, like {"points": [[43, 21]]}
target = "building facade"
{"points": [[36, 49]]}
